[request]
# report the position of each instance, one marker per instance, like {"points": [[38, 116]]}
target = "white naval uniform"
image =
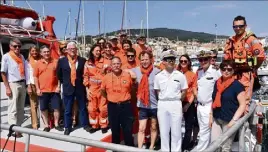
{"points": [[206, 81], [170, 108]]}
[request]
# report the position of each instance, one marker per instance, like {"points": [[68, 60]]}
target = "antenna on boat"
{"points": [[147, 15]]}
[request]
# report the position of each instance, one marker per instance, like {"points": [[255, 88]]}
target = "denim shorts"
{"points": [[49, 98], [145, 113]]}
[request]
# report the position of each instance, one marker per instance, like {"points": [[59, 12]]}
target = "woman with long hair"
{"points": [[34, 56], [94, 71], [188, 105]]}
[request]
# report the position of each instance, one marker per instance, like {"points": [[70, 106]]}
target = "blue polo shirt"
{"points": [[229, 102]]}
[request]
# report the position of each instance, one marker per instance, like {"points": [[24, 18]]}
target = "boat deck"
{"points": [[45, 144]]}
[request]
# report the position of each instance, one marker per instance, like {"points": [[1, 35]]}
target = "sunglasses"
{"points": [[130, 56], [227, 69], [203, 59], [170, 60], [183, 61], [238, 26], [16, 46]]}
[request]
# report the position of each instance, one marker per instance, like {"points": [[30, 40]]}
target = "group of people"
{"points": [[119, 87]]}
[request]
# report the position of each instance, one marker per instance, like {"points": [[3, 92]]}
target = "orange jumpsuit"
{"points": [[97, 107], [253, 48]]}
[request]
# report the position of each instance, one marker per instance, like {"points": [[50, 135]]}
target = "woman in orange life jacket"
{"points": [[34, 56], [101, 41], [229, 101], [94, 72], [188, 104]]}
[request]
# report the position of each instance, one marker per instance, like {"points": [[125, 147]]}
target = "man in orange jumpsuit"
{"points": [[116, 88], [94, 71], [247, 53]]}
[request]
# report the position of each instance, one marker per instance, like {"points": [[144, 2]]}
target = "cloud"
{"points": [[263, 34], [198, 10]]}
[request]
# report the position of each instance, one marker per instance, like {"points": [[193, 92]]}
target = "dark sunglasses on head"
{"points": [[238, 26], [214, 57], [130, 56], [203, 59], [16, 46], [183, 61], [227, 69]]}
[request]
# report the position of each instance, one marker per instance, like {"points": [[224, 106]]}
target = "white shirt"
{"points": [[29, 71], [205, 83], [170, 85], [11, 68], [76, 64]]}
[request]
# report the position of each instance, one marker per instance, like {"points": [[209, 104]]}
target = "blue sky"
{"points": [[199, 16]]}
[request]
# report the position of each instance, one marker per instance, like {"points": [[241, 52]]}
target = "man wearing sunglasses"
{"points": [[141, 46], [13, 75], [246, 51], [207, 76], [170, 86], [131, 59]]}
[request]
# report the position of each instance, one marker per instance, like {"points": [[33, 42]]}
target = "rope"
{"points": [[8, 136]]}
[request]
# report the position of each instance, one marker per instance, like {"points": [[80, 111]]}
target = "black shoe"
{"points": [[59, 128], [67, 131], [87, 128], [46, 129], [92, 130], [104, 130]]}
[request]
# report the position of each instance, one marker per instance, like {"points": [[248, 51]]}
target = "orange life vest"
{"points": [[240, 51]]}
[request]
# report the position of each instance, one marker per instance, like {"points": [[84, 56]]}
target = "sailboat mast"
{"points": [[123, 16], [126, 15], [69, 15], [77, 22], [141, 30], [103, 7], [83, 23], [147, 15], [99, 22]]}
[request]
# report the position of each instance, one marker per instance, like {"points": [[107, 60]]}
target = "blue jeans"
{"points": [[83, 115]]}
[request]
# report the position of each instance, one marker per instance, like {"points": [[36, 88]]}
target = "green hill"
{"points": [[171, 34]]}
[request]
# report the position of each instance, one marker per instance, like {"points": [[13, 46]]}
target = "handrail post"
{"points": [[242, 138], [27, 143], [83, 148]]}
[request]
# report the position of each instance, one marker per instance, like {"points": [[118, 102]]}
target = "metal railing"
{"points": [[77, 140], [242, 122]]}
